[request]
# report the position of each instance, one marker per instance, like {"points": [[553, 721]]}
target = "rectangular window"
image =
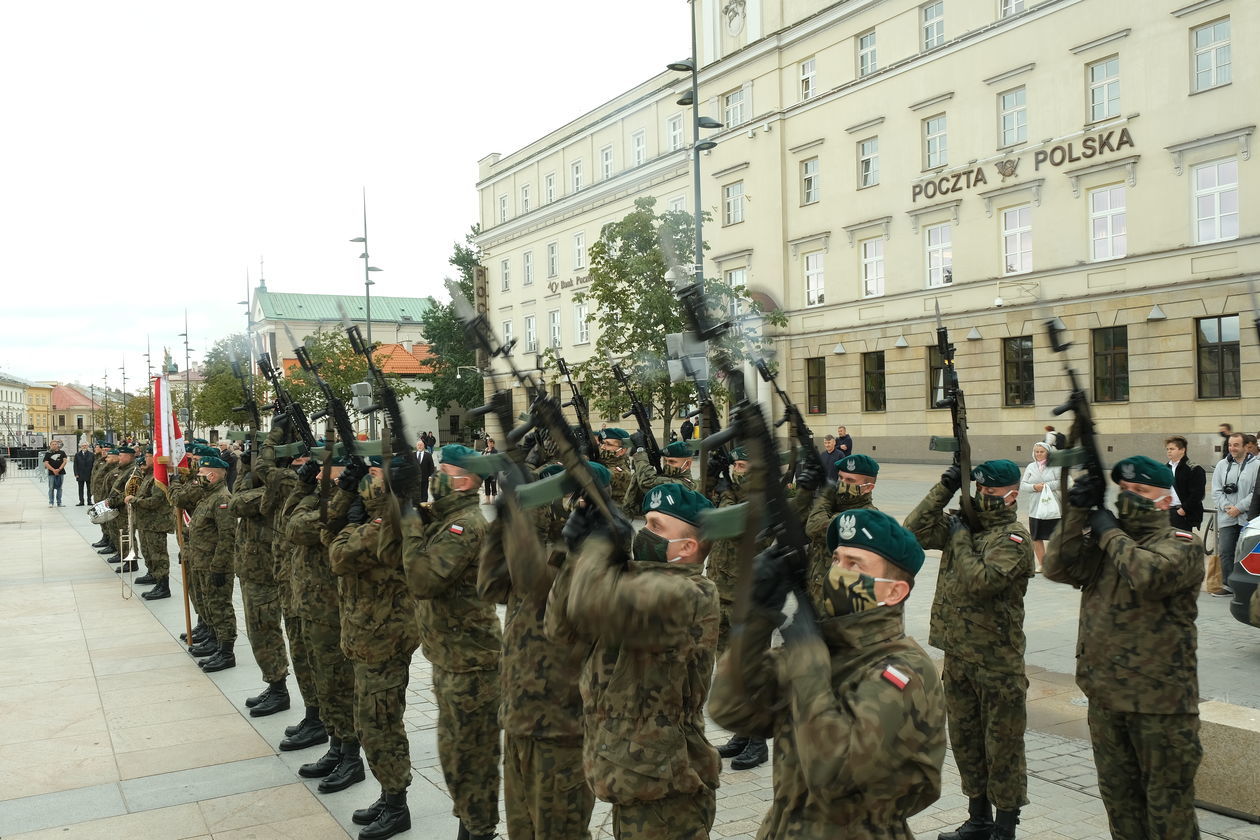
{"points": [[1104, 89], [1111, 364], [1108, 230], [816, 385], [638, 148], [606, 163], [873, 267], [1219, 364], [549, 188], [1006, 8], [936, 378], [1017, 239], [505, 275], [553, 320], [61, 421], [866, 62], [874, 395], [733, 203], [935, 142], [579, 250], [807, 88], [531, 333], [809, 181], [733, 108], [503, 210], [1013, 116], [940, 255], [815, 280], [1017, 370], [868, 162], [553, 259], [1216, 201], [527, 268], [507, 332], [575, 175], [674, 128], [1211, 55], [736, 278], [933, 24], [676, 204], [525, 204], [580, 327], [78, 422]]}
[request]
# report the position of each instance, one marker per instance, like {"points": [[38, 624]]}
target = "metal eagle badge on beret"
{"points": [[848, 527], [1129, 471]]}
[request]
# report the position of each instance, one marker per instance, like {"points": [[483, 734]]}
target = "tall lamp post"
{"points": [[188, 420], [368, 282], [124, 398]]}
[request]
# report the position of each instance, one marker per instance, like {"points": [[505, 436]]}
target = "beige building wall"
{"points": [[1044, 123], [38, 405]]}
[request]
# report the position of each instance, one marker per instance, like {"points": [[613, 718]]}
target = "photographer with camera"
{"points": [[1233, 481]]}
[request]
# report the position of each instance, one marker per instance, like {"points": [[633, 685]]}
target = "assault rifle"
{"points": [[578, 403], [383, 392], [334, 408], [248, 406], [640, 413], [792, 415], [1086, 453], [285, 404], [952, 397]]}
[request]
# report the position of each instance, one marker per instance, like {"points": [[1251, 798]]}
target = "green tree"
{"points": [[444, 332], [220, 390]]}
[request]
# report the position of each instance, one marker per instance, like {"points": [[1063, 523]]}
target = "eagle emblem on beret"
{"points": [[850, 464], [1128, 471], [848, 527], [655, 501]]}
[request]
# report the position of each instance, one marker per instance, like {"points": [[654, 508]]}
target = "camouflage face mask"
{"points": [[986, 502], [851, 495], [846, 591], [442, 487], [1130, 504]]}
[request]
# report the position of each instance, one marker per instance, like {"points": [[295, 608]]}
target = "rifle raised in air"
{"points": [[951, 396], [640, 413], [285, 404], [1085, 454], [578, 403]]}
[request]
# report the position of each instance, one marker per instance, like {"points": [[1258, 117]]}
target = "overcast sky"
{"points": [[153, 151]]}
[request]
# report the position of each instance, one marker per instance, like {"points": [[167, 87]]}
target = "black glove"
{"points": [[956, 524], [583, 521], [951, 479], [308, 473], [1101, 521], [247, 457], [403, 476], [811, 475], [1086, 493], [352, 475], [218, 579], [772, 577], [718, 461], [357, 513]]}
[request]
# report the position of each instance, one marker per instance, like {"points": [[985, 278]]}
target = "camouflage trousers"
{"points": [[544, 790], [468, 743], [262, 626], [217, 601], [380, 698], [725, 580], [110, 535], [686, 816], [156, 558], [194, 590], [299, 654], [1146, 767], [333, 675], [987, 718]]}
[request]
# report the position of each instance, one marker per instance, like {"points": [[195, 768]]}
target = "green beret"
{"points": [[677, 449], [146, 449], [859, 465], [203, 451], [374, 460], [602, 475], [126, 450], [1142, 470], [739, 453], [201, 441], [113, 452], [876, 531], [549, 470], [619, 434], [998, 473], [677, 501], [457, 455], [213, 462]]}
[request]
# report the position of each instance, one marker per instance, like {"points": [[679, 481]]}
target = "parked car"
{"points": [[1246, 575]]}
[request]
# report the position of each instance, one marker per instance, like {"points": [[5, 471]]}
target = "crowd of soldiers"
{"points": [[617, 640]]}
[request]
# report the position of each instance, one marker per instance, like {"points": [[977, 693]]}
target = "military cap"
{"points": [[213, 462], [126, 450], [677, 501], [619, 434], [602, 475], [113, 451], [739, 453], [203, 451], [996, 473], [859, 465], [378, 460], [1142, 470], [876, 531], [677, 449], [201, 441], [457, 455], [548, 470]]}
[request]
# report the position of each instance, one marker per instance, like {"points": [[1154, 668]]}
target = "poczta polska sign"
{"points": [[1094, 145]]}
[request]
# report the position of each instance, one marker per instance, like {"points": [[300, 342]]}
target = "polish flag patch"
{"points": [[896, 677], [1016, 538], [222, 506], [457, 529], [1185, 535]]}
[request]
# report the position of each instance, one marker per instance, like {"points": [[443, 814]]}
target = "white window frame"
{"points": [[525, 197], [872, 257], [935, 142], [579, 250], [868, 162], [677, 204], [674, 130], [815, 264], [638, 148], [867, 58], [807, 86], [605, 163], [932, 24], [733, 107], [507, 332], [549, 187], [1104, 90], [553, 259], [505, 275], [531, 333], [527, 268], [503, 208], [1017, 240], [1012, 117], [1006, 8], [554, 334], [581, 328], [575, 175], [1108, 226], [735, 278], [938, 246], [1212, 57], [732, 203], [810, 186], [1215, 194]]}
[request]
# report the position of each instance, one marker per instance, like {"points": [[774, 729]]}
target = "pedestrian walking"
{"points": [[1041, 485]]}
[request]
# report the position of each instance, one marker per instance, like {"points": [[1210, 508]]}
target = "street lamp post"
{"points": [[124, 398], [188, 430], [368, 282]]}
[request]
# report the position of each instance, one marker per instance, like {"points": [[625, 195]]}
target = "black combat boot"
{"points": [[106, 550], [324, 765], [349, 771], [1004, 824], [310, 733], [733, 747], [101, 543], [277, 700], [368, 815], [225, 659], [393, 818], [157, 593], [145, 579], [312, 718], [129, 566], [979, 825], [199, 632], [116, 558], [207, 647], [753, 755]]}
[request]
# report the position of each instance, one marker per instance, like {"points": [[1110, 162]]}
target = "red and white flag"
{"points": [[168, 441]]}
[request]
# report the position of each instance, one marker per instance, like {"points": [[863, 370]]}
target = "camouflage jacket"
{"points": [[278, 501], [152, 507], [253, 534], [621, 472], [643, 479], [1137, 645], [458, 631], [978, 610], [723, 562], [117, 492], [652, 630], [858, 720], [212, 532], [518, 564], [378, 614], [827, 503], [314, 586], [97, 481]]}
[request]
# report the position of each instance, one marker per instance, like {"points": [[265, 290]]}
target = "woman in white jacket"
{"points": [[1043, 517]]}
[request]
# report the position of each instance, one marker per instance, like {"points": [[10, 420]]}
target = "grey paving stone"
{"points": [[31, 813], [205, 783]]}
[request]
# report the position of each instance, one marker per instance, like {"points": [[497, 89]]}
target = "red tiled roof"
{"points": [[392, 358], [64, 396]]}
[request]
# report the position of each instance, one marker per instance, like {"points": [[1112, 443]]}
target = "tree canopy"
{"points": [[444, 332]]}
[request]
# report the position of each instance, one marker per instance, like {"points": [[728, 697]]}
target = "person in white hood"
{"points": [[1044, 509]]}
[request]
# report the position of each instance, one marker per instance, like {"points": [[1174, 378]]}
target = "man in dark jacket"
{"points": [[1189, 485], [831, 456], [424, 457], [83, 461], [844, 441]]}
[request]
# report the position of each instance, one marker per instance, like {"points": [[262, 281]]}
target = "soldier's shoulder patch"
{"points": [[1185, 535], [376, 521], [456, 528], [896, 677], [1016, 538], [223, 505]]}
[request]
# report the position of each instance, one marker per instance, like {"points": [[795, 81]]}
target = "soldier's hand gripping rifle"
{"points": [[1085, 453], [952, 397], [285, 404], [801, 432], [578, 403], [249, 405], [640, 413], [382, 392]]}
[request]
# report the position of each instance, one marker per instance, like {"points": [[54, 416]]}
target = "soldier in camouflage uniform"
{"points": [[614, 453], [211, 540], [855, 707], [651, 624], [544, 790], [115, 493], [853, 490], [460, 636], [155, 519], [1137, 649], [104, 463], [378, 635], [675, 469], [187, 491], [978, 620]]}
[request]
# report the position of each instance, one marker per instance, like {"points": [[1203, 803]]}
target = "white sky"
{"points": [[152, 151]]}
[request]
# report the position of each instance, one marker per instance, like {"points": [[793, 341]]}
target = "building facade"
{"points": [[1009, 161], [13, 410]]}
